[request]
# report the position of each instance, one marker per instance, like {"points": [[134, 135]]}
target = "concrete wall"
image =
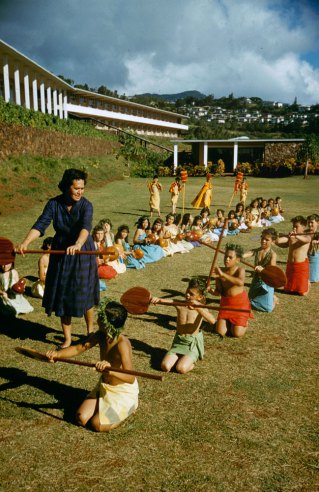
{"points": [[18, 140]]}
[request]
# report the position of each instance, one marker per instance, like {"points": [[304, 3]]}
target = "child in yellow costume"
{"points": [[204, 197]]}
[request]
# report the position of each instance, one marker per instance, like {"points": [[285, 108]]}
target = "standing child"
{"points": [[313, 253], [115, 397], [188, 343], [155, 188], [174, 190], [261, 295], [230, 282], [204, 197], [297, 270], [11, 301], [243, 187], [37, 289]]}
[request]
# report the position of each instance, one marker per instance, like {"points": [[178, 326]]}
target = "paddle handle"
{"points": [[217, 249], [61, 252], [108, 369], [204, 306]]}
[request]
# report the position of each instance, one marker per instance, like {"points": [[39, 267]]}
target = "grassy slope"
{"points": [[245, 419]]}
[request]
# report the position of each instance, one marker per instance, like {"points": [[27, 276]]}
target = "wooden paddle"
{"points": [[271, 275], [34, 354], [137, 300], [217, 250], [7, 252]]}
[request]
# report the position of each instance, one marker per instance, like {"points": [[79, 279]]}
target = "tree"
{"points": [[68, 81], [309, 151]]}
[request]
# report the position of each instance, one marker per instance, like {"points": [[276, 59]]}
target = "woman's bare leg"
{"points": [[89, 318], [66, 327]]}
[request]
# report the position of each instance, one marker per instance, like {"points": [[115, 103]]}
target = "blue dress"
{"points": [[152, 252], [72, 283], [132, 262], [314, 266]]}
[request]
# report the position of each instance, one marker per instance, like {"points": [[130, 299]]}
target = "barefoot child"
{"points": [[261, 295], [230, 286], [188, 343], [297, 270], [116, 395]]}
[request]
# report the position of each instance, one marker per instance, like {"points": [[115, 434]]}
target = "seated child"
{"points": [[106, 224], [127, 254], [152, 252], [205, 213], [11, 301], [275, 216], [261, 295], [188, 343], [298, 244], [215, 228], [233, 224], [230, 282], [313, 253], [176, 243], [105, 270], [241, 217], [115, 397], [37, 289], [255, 213]]}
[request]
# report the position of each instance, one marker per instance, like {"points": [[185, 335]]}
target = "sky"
{"points": [[252, 48]]}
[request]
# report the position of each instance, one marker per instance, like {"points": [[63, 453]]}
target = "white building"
{"points": [[24, 82]]}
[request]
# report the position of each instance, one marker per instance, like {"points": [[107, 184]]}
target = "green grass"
{"points": [[245, 419]]}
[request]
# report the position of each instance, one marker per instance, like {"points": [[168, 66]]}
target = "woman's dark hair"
{"points": [[69, 176], [240, 205], [141, 220], [231, 212], [185, 219], [120, 229], [157, 221], [47, 243], [105, 221], [196, 218], [205, 209], [178, 218]]}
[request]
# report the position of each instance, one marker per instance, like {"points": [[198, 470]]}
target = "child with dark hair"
{"points": [[313, 253], [205, 213], [261, 295], [115, 397], [230, 282], [298, 244], [129, 256], [152, 252], [188, 342], [37, 288]]}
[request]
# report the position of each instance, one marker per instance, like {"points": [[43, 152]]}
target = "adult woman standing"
{"points": [[72, 285]]}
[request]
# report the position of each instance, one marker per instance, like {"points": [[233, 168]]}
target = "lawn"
{"points": [[245, 419]]}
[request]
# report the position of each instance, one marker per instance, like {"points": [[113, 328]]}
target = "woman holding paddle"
{"points": [[72, 284]]}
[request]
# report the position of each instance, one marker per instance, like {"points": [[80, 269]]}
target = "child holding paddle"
{"points": [[230, 282], [261, 295], [298, 244], [115, 397], [188, 343]]}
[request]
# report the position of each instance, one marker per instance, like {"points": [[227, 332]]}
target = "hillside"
{"points": [[173, 97]]}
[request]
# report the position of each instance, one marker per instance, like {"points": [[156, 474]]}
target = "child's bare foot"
{"points": [[65, 344]]}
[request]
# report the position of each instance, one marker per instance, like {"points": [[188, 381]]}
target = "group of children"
{"points": [[116, 395]]}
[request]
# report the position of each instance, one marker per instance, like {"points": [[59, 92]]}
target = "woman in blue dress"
{"points": [[261, 295], [72, 284], [152, 252]]}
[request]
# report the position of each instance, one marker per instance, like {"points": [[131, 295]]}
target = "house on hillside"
{"points": [[235, 150], [24, 82]]}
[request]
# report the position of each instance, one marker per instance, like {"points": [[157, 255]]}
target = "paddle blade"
{"points": [[7, 254], [136, 300], [273, 276], [33, 354]]}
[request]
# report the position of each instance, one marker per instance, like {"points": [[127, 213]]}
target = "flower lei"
{"points": [[110, 329]]}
